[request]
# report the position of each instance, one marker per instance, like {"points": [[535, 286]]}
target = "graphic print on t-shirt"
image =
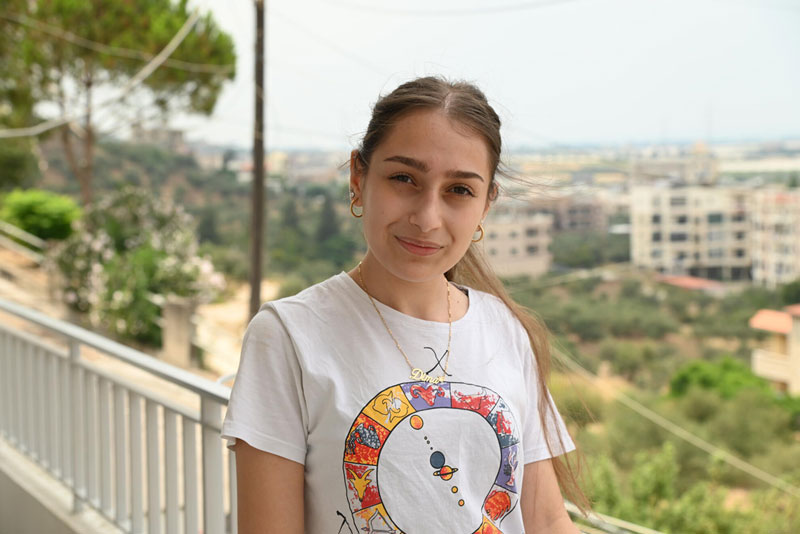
{"points": [[421, 455]]}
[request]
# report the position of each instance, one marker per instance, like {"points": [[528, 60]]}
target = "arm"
{"points": [[542, 505], [270, 492]]}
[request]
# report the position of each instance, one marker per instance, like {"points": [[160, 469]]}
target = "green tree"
{"points": [[17, 161], [41, 213], [125, 36], [790, 293]]}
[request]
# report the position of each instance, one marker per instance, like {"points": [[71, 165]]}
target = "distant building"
{"points": [[697, 167], [572, 211], [517, 240], [775, 236], [169, 139], [691, 230], [779, 360]]}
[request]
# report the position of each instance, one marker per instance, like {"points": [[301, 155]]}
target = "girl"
{"points": [[408, 394]]}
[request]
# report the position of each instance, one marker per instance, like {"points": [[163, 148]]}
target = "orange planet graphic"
{"points": [[416, 422], [446, 472]]}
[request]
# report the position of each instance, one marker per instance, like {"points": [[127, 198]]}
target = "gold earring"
{"points": [[480, 229], [353, 211]]}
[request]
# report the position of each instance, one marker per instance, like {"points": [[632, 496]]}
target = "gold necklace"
{"points": [[416, 373]]}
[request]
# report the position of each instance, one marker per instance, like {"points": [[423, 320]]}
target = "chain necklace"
{"points": [[416, 372]]}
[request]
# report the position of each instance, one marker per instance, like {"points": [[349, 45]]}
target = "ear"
{"points": [[357, 172]]}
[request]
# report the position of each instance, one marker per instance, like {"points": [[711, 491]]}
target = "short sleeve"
{"points": [[535, 441], [267, 406]]}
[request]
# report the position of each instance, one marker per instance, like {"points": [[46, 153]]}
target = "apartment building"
{"points": [[691, 230], [775, 236], [697, 166], [779, 359], [517, 240], [572, 211]]}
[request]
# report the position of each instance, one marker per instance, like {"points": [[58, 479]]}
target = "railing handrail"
{"points": [[126, 354], [22, 235]]}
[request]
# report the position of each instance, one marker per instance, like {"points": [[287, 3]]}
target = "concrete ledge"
{"points": [[33, 502]]}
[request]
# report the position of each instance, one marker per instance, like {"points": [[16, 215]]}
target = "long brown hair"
{"points": [[465, 103]]}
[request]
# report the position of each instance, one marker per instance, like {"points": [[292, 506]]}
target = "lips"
{"points": [[418, 247]]}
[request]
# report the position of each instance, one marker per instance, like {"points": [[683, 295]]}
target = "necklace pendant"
{"points": [[421, 376]]}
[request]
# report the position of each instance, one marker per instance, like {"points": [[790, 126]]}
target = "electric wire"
{"points": [[136, 80]]}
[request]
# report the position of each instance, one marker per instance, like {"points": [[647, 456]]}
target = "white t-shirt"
{"points": [[321, 382]]}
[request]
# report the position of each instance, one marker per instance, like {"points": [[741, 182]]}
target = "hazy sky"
{"points": [[562, 71]]}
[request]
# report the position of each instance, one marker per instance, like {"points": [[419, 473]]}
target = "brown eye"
{"points": [[401, 178], [462, 191]]}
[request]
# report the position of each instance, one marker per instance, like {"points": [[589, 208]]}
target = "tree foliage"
{"points": [[121, 37]]}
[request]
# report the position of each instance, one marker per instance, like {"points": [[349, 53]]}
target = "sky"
{"points": [[559, 72]]}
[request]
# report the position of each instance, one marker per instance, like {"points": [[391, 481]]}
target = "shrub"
{"points": [[129, 249], [41, 213]]}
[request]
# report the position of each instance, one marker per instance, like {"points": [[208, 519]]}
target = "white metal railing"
{"points": [[149, 464], [35, 246]]}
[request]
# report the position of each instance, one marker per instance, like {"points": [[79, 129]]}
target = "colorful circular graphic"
{"points": [[424, 457]]}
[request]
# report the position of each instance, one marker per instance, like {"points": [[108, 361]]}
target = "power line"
{"points": [[112, 50], [684, 434], [137, 79]]}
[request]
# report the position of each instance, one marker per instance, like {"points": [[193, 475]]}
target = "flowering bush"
{"points": [[128, 252]]}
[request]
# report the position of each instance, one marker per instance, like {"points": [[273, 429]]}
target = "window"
{"points": [[514, 251], [681, 219], [739, 217], [492, 235], [656, 237], [492, 252], [513, 234], [656, 219], [532, 250], [655, 253], [677, 201], [716, 253], [532, 232], [678, 236], [740, 252], [716, 235], [714, 218], [740, 235]]}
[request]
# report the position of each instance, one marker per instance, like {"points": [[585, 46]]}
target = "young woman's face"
{"points": [[424, 194]]}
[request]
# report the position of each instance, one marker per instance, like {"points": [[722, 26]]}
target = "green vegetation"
{"points": [[589, 249], [129, 251], [639, 471], [41, 213]]}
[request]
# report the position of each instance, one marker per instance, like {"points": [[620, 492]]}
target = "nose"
{"points": [[426, 213]]}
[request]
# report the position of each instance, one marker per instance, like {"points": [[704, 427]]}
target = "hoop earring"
{"points": [[353, 211], [480, 229]]}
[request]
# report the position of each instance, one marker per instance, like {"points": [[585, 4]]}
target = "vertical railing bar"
{"points": [[41, 392], [213, 513], [104, 408], [52, 431], [77, 426], [27, 396], [16, 408], [137, 471], [90, 390], [234, 511], [190, 493], [5, 377], [171, 469], [153, 473], [67, 413], [120, 456]]}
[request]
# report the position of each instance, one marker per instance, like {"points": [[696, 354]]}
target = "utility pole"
{"points": [[258, 206]]}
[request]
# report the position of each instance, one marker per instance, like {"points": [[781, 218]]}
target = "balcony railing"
{"points": [[147, 461], [144, 460]]}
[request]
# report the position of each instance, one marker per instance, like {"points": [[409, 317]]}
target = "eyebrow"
{"points": [[423, 167]]}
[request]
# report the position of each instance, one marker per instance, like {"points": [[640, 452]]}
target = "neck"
{"points": [[421, 299]]}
